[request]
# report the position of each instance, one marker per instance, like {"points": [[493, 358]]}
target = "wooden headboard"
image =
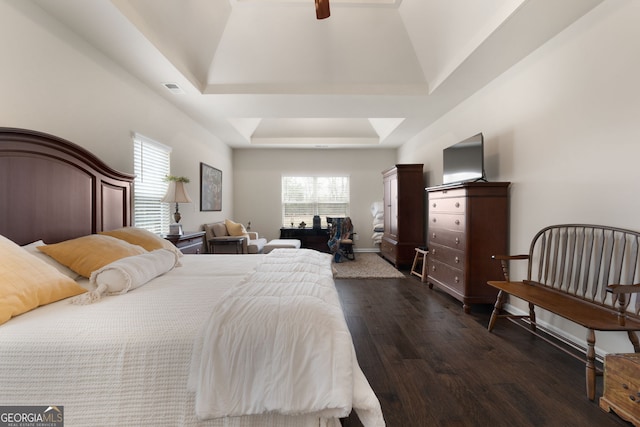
{"points": [[54, 190]]}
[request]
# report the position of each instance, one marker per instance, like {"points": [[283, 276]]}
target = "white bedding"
{"points": [[278, 342], [125, 360]]}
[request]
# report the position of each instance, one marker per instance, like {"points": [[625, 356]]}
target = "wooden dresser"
{"points": [[468, 223], [622, 386], [403, 213]]}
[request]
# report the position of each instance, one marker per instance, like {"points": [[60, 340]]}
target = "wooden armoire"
{"points": [[404, 218]]}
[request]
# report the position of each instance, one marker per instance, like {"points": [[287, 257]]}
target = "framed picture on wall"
{"points": [[210, 188]]}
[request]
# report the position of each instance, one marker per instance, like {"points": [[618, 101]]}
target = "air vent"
{"points": [[173, 88]]}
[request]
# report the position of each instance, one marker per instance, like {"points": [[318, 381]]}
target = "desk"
{"points": [[228, 240], [310, 238]]}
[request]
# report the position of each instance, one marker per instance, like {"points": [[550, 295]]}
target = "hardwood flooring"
{"points": [[432, 365]]}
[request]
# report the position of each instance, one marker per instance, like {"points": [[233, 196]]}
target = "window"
{"points": [[306, 196], [151, 166]]}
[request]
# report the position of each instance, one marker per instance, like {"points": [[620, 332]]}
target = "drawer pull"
{"points": [[457, 260], [457, 204], [433, 235], [457, 222], [434, 205], [433, 268], [624, 386], [457, 279], [632, 398], [433, 251], [434, 220], [457, 240]]}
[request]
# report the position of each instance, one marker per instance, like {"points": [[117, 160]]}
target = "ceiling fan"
{"points": [[322, 9]]}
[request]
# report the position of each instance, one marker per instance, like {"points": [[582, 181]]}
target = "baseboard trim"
{"points": [[556, 333]]}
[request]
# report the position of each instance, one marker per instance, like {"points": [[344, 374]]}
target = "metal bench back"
{"points": [[581, 260]]}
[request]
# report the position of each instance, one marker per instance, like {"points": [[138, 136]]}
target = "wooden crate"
{"points": [[622, 386]]}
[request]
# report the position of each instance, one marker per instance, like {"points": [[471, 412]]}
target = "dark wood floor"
{"points": [[432, 365]]}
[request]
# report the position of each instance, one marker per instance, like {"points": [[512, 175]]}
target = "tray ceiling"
{"points": [[267, 73]]}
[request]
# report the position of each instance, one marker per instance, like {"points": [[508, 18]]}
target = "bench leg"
{"points": [[634, 341], [496, 310], [591, 364], [532, 316]]}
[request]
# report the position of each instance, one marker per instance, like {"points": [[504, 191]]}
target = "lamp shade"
{"points": [[176, 193]]}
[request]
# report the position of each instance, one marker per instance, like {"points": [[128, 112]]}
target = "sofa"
{"points": [[251, 244]]}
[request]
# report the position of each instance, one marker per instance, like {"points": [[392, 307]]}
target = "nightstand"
{"points": [[191, 242]]}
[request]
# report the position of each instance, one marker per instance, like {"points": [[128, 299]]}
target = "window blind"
{"points": [[151, 166], [306, 196]]}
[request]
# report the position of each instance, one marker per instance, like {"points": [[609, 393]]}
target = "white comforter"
{"points": [[277, 342]]}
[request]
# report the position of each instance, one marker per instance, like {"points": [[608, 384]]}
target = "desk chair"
{"points": [[341, 238]]}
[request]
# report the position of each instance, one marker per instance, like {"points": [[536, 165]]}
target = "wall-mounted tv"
{"points": [[464, 161]]}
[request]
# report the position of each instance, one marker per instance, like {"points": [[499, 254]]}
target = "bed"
{"points": [[210, 340]]}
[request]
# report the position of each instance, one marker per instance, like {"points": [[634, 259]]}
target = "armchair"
{"points": [[251, 244]]}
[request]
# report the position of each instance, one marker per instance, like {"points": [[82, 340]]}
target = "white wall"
{"points": [[257, 180], [564, 127], [54, 82]]}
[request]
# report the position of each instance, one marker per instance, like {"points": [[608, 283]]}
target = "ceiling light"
{"points": [[322, 9]]}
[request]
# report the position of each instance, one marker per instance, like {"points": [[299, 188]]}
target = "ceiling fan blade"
{"points": [[322, 9]]}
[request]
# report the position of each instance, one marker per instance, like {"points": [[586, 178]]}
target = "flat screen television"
{"points": [[464, 161]]}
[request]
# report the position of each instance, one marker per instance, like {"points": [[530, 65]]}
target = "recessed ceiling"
{"points": [[267, 73], [333, 2]]}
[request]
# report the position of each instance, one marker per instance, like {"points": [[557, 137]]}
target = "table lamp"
{"points": [[176, 193]]}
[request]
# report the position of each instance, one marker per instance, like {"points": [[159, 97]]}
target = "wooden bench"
{"points": [[588, 274]]}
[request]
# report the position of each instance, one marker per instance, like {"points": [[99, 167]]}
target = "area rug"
{"points": [[366, 266]]}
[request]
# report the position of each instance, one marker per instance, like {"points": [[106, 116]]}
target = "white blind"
{"points": [[151, 166], [306, 196]]}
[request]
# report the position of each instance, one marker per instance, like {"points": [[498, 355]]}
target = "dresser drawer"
{"points": [[444, 237], [450, 205], [192, 246], [447, 222], [442, 273], [448, 193], [622, 386], [623, 393], [446, 255], [191, 242]]}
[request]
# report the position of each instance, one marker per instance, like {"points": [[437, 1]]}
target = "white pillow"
{"points": [[31, 248], [127, 274]]}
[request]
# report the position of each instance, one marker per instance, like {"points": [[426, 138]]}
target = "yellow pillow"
{"points": [[27, 282], [142, 237], [90, 253], [234, 228]]}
